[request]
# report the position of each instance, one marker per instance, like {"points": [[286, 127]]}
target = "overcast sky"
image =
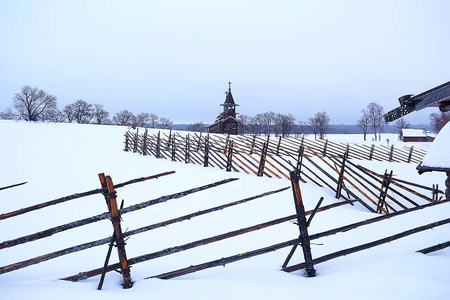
{"points": [[175, 58]]}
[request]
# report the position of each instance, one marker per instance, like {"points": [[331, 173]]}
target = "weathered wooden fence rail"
{"points": [[317, 161]]}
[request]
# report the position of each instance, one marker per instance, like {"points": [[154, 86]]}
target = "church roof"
{"points": [[229, 97]]}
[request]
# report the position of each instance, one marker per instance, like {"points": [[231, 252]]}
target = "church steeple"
{"points": [[229, 107]]}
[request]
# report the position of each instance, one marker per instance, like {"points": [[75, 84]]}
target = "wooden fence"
{"points": [[108, 189], [323, 163]]}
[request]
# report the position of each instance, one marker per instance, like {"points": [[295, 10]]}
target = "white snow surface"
{"points": [[438, 155], [62, 159]]}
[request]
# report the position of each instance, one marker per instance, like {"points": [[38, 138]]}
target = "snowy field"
{"points": [[62, 159]]}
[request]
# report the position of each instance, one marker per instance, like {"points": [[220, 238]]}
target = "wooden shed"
{"points": [[415, 135]]}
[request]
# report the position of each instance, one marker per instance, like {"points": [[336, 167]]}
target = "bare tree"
{"points": [[319, 124], [256, 124], [153, 120], [6, 115], [375, 112], [438, 120], [268, 120], [197, 127], [142, 119], [55, 115], [401, 124], [243, 123], [165, 123], [100, 114], [286, 124], [123, 118], [31, 104], [363, 122], [80, 111], [301, 128]]}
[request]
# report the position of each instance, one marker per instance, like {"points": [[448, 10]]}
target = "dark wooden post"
{"points": [[253, 144], [325, 148], [263, 160], [206, 154], [302, 225], [383, 192], [199, 141], [298, 168], [410, 153], [341, 177], [187, 151], [111, 202], [144, 143], [435, 193], [169, 141], [229, 156], [173, 148], [158, 145], [371, 151], [278, 147], [391, 153], [136, 138], [126, 141]]}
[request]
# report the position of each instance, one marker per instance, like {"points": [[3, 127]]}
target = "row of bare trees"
{"points": [[33, 104], [283, 124]]}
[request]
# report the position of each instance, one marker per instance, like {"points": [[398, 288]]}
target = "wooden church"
{"points": [[226, 121]]}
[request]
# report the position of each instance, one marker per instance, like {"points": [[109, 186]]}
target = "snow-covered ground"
{"points": [[62, 159]]}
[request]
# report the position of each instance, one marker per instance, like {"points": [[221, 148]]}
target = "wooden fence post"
{"points": [[383, 192], [173, 148], [302, 225], [187, 151], [136, 138], [126, 141], [391, 153], [206, 154], [253, 144], [158, 145], [111, 202], [410, 153], [144, 143], [229, 156], [263, 160], [341, 177], [371, 151], [325, 148], [278, 147], [298, 168]]}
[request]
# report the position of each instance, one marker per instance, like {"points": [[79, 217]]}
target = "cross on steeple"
{"points": [[229, 85]]}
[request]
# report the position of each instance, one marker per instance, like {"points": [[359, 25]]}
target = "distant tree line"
{"points": [[283, 124], [33, 104]]}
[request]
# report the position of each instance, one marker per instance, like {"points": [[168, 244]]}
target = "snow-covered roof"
{"points": [[411, 132], [438, 157]]}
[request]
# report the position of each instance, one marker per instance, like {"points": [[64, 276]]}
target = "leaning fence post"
{"points": [[253, 144], [298, 168], [383, 192], [278, 147], [111, 201], [341, 177], [158, 145], [187, 149], [302, 225], [263, 160], [144, 143], [325, 148], [173, 148]]}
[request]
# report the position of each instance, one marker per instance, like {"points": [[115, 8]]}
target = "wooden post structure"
{"points": [[206, 155], [158, 145], [383, 192], [126, 141], [229, 155], [325, 148], [187, 151], [111, 202], [341, 177], [136, 138], [302, 225], [371, 151], [144, 143], [173, 148], [278, 147], [263, 160], [410, 153], [391, 153], [253, 144], [298, 168]]}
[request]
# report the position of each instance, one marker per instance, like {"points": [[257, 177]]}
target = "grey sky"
{"points": [[175, 58]]}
